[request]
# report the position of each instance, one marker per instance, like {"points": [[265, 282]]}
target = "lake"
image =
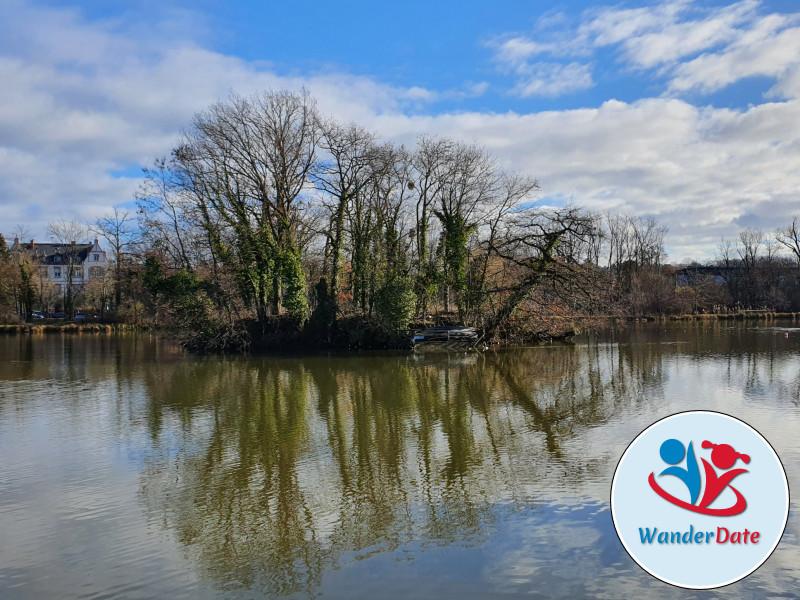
{"points": [[131, 469]]}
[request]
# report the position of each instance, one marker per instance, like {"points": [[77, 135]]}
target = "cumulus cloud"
{"points": [[698, 170], [85, 100]]}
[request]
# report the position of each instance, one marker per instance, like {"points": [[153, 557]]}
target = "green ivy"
{"points": [[395, 304], [294, 298]]}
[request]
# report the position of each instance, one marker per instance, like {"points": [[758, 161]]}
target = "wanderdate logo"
{"points": [[699, 499], [723, 457]]}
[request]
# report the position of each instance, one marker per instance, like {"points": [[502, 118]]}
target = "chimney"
{"points": [[72, 242], [33, 245], [16, 241], [95, 242]]}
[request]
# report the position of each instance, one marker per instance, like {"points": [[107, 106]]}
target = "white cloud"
{"points": [[82, 99], [611, 25], [553, 79], [768, 48], [537, 64], [694, 48], [517, 50], [535, 77], [702, 171], [667, 38]]}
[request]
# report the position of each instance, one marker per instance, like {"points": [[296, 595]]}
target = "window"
{"points": [[57, 273], [96, 258], [95, 271]]}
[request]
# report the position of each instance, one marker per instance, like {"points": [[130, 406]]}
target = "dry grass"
{"points": [[739, 316], [71, 328]]}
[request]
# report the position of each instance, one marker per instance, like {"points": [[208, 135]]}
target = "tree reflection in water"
{"points": [[305, 461]]}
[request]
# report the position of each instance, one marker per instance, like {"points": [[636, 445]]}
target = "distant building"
{"points": [[88, 261]]}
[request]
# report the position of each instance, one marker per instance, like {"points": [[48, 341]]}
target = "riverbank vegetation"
{"points": [[271, 226]]}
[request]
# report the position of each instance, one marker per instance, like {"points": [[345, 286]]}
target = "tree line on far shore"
{"points": [[270, 224]]}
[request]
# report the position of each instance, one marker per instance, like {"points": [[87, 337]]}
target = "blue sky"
{"points": [[685, 111]]}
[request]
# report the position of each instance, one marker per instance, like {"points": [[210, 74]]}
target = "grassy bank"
{"points": [[33, 329], [739, 316]]}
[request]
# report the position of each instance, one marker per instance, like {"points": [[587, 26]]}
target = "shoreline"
{"points": [[738, 316], [74, 328], [609, 321]]}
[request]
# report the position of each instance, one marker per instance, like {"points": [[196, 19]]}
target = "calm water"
{"points": [[129, 469]]}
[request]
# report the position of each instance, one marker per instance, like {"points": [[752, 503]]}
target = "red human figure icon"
{"points": [[724, 457]]}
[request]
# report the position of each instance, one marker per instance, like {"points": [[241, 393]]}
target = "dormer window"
{"points": [[96, 258], [57, 273]]}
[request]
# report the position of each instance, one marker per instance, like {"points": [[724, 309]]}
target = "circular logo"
{"points": [[699, 499]]}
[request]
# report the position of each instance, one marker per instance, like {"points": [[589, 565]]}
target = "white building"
{"points": [[87, 261]]}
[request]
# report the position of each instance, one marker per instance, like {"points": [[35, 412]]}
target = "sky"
{"points": [[686, 111]]}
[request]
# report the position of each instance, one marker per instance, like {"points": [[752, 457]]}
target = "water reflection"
{"points": [[286, 476]]}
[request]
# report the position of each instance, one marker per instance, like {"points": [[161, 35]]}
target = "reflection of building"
{"points": [[87, 261]]}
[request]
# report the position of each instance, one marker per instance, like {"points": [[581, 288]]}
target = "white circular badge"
{"points": [[699, 499]]}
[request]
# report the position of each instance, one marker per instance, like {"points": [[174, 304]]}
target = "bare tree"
{"points": [[530, 246], [648, 241], [244, 163], [17, 282], [69, 238], [121, 232], [9, 278], [164, 213], [471, 180], [725, 253], [343, 173], [22, 232], [726, 258], [790, 238], [749, 247], [618, 237], [513, 191], [430, 168]]}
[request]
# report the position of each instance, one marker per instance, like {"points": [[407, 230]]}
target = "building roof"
{"points": [[54, 254]]}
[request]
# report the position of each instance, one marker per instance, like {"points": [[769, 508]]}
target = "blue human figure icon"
{"points": [[672, 452]]}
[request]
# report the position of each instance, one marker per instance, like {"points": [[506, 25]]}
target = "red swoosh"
{"points": [[737, 508]]}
